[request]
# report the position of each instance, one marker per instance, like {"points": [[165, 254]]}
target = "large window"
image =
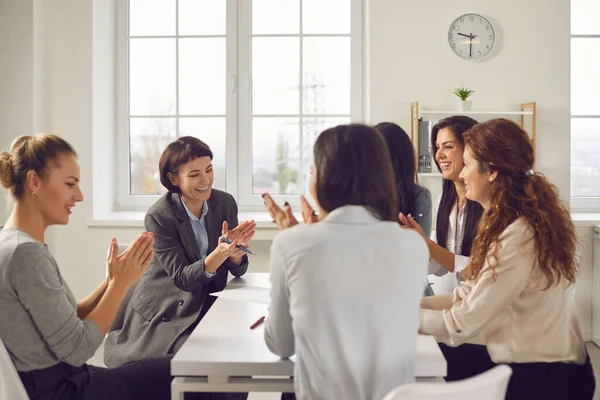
{"points": [[257, 80], [585, 104]]}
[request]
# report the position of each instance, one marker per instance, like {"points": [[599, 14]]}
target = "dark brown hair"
{"points": [[184, 149], [31, 153], [354, 168], [402, 155], [458, 125], [503, 146]]}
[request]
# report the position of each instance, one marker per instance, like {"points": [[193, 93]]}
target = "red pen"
{"points": [[258, 322]]}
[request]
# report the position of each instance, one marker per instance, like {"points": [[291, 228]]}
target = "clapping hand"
{"points": [[127, 267], [283, 218], [242, 233], [308, 214]]}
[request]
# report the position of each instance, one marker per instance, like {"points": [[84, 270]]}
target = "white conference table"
{"points": [[224, 355]]}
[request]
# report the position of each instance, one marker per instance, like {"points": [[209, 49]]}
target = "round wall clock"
{"points": [[471, 36]]}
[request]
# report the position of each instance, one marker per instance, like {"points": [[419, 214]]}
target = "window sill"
{"points": [[585, 218], [265, 228]]}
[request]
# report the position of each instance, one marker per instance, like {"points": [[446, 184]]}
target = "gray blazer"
{"points": [[171, 297]]}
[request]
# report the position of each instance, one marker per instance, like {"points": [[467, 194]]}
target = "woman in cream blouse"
{"points": [[519, 284]]}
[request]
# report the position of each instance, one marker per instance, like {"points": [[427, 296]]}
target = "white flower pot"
{"points": [[464, 105]]}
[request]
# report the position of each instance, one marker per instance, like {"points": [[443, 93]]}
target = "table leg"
{"points": [[177, 391]]}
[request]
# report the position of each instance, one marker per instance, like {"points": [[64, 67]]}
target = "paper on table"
{"points": [[253, 294]]}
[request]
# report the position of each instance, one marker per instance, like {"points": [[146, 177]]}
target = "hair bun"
{"points": [[6, 169]]}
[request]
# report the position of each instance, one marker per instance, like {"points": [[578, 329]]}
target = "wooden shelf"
{"points": [[474, 112], [415, 113]]}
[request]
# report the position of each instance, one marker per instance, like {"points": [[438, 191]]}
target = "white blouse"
{"points": [[444, 282], [345, 297]]}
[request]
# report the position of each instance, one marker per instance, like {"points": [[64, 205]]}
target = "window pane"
{"points": [[151, 17], [326, 75], [212, 132], [275, 155], [275, 16], [584, 17], [275, 81], [152, 76], [202, 86], [326, 16], [202, 17], [148, 137], [585, 157], [585, 78], [311, 129]]}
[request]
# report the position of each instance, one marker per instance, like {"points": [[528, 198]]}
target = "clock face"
{"points": [[471, 37]]}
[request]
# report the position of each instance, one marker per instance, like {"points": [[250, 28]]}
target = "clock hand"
{"points": [[462, 34], [470, 43]]}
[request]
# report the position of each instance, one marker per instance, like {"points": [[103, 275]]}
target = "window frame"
{"points": [[584, 204], [238, 102]]}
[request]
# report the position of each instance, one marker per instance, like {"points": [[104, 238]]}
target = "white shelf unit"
{"points": [[430, 174], [526, 109]]}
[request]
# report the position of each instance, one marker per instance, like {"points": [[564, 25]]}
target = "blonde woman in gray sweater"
{"points": [[48, 334]]}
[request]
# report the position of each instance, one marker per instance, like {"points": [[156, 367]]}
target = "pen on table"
{"points": [[258, 322], [224, 239]]}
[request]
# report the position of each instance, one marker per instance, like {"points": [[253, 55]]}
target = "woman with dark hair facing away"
{"points": [[48, 334], [457, 216], [191, 261], [340, 278], [519, 288], [413, 199]]}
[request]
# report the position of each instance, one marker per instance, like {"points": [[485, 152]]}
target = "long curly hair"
{"points": [[503, 146]]}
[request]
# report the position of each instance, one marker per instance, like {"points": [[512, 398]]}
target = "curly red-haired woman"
{"points": [[519, 285]]}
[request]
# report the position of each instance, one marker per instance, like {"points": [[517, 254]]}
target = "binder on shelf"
{"points": [[425, 155]]}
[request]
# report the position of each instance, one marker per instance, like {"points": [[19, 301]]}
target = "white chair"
{"points": [[11, 386], [490, 385]]}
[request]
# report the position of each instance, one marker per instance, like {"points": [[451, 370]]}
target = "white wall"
{"points": [[19, 73], [409, 59]]}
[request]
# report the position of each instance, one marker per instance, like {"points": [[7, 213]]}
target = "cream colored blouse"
{"points": [[521, 322]]}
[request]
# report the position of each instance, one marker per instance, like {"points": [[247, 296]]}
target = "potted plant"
{"points": [[463, 94]]}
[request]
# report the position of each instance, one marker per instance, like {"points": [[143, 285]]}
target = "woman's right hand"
{"points": [[227, 250], [126, 268], [283, 218]]}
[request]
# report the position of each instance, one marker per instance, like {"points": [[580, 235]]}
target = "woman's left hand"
{"points": [[308, 214], [242, 233]]}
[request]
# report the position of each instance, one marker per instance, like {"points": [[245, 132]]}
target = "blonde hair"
{"points": [[30, 153]]}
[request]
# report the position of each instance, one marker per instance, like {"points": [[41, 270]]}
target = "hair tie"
{"points": [[529, 172]]}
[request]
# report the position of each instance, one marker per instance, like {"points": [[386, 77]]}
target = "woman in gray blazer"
{"points": [[190, 260]]}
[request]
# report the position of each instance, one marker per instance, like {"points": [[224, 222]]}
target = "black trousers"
{"points": [[146, 379], [529, 381]]}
